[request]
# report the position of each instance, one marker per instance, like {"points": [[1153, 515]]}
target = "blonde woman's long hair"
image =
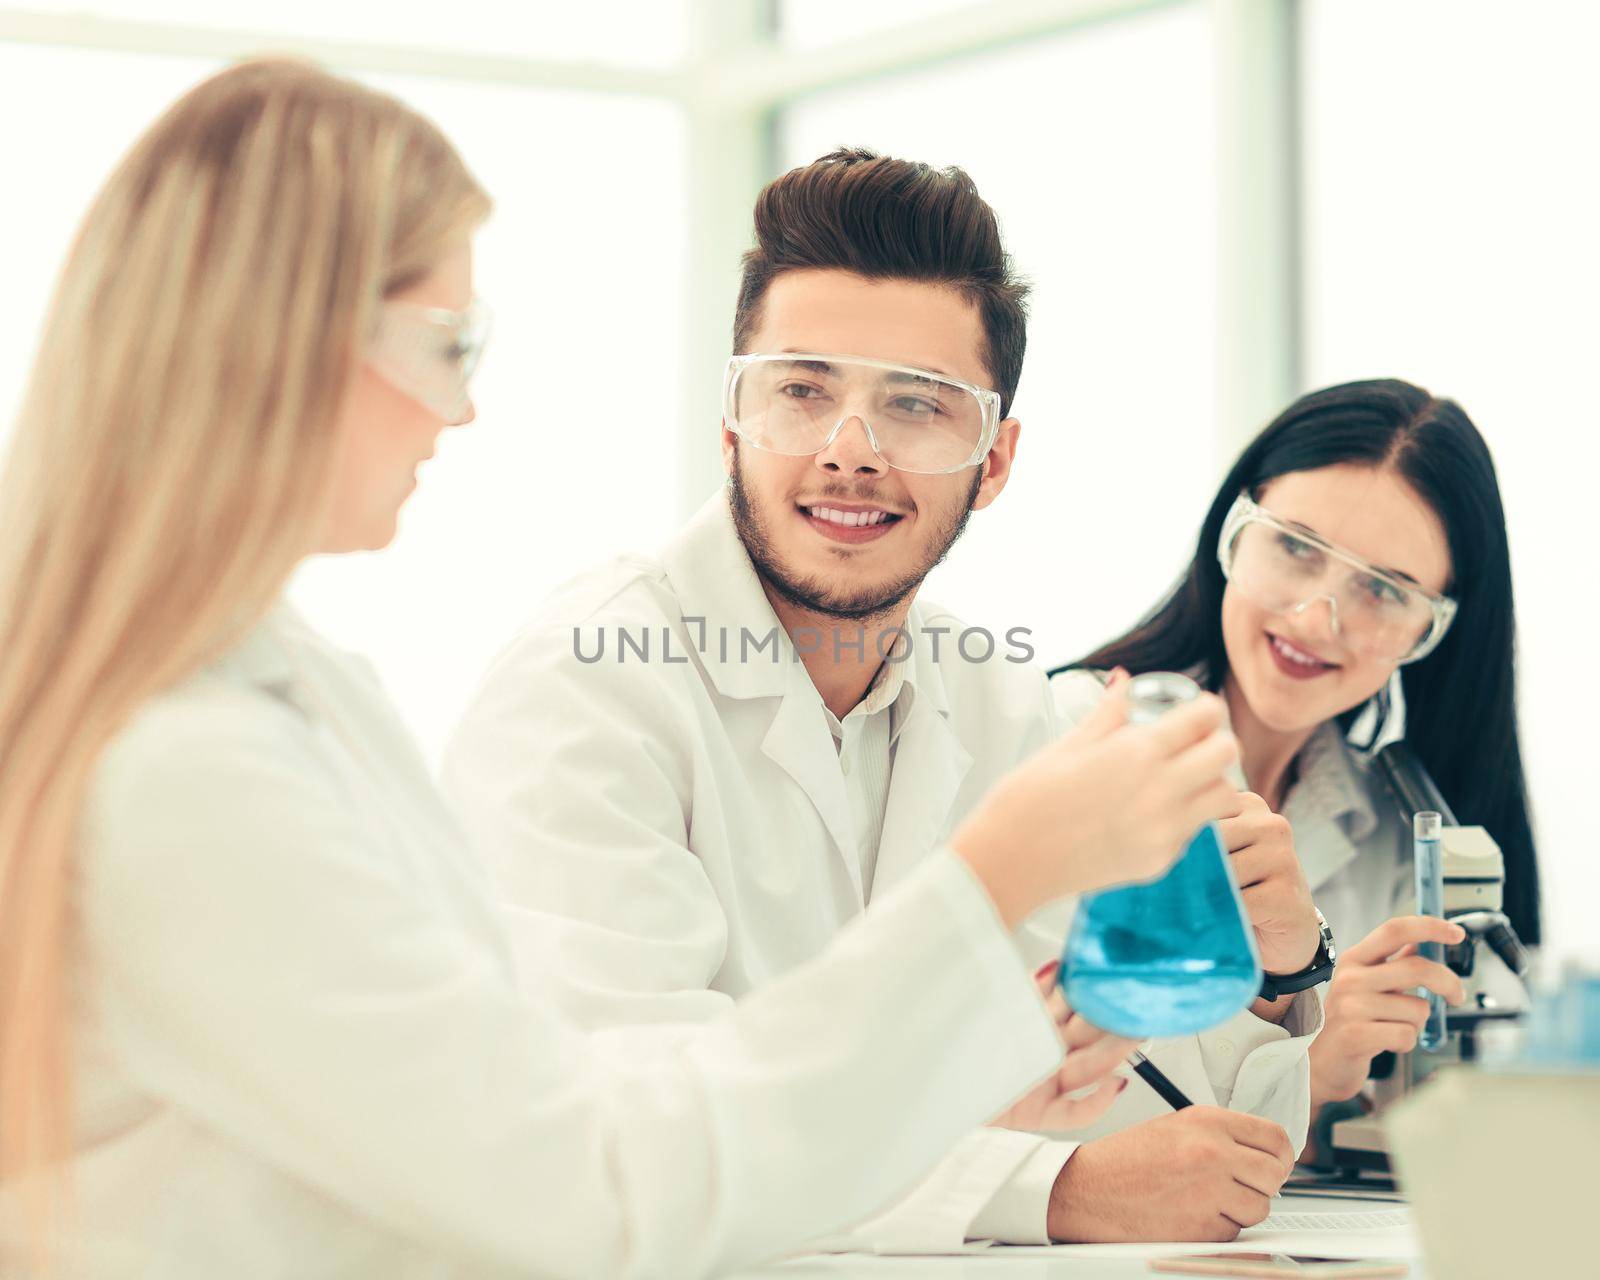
{"points": [[172, 463]]}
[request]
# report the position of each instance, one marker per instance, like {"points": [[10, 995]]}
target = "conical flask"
{"points": [[1172, 956]]}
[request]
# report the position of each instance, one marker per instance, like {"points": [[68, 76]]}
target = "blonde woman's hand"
{"points": [[1107, 803], [1092, 1058]]}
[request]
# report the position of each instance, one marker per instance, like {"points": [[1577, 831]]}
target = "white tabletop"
{"points": [[1070, 1262]]}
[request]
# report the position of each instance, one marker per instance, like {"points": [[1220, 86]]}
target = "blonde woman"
{"points": [[256, 1014]]}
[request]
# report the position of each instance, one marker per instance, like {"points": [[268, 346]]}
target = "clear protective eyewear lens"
{"points": [[1369, 610], [431, 353], [915, 420]]}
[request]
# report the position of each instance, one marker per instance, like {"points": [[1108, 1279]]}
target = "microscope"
{"points": [[1490, 961]]}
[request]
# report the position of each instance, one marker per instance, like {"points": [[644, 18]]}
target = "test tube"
{"points": [[1428, 857]]}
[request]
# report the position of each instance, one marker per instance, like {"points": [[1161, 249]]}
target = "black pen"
{"points": [[1152, 1075]]}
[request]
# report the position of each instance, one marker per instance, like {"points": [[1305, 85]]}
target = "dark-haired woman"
{"points": [[1351, 586]]}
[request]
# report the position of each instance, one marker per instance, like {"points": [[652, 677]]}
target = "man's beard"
{"points": [[814, 594]]}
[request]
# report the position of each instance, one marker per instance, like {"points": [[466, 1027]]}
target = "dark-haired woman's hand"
{"points": [[1107, 803], [1260, 846], [1370, 1008]]}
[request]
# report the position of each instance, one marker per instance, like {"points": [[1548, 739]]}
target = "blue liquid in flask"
{"points": [[1176, 955]]}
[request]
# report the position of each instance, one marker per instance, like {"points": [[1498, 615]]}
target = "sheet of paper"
{"points": [[1349, 1230], [1311, 1220], [1316, 1228]]}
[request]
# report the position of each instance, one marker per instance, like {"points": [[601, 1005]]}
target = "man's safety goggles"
{"points": [[1287, 568], [796, 403], [431, 353]]}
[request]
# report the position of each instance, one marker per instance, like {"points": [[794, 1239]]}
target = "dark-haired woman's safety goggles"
{"points": [[1287, 568], [796, 403], [431, 353]]}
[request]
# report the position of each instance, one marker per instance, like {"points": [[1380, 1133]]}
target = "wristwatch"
{"points": [[1320, 969]]}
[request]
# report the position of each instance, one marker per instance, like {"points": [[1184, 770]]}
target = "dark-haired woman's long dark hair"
{"points": [[1461, 703]]}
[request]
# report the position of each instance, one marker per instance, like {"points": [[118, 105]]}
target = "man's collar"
{"points": [[729, 619]]}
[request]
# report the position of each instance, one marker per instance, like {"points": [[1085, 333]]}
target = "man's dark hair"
{"points": [[888, 219]]}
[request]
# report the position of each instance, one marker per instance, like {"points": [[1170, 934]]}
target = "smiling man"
{"points": [[695, 768], [862, 470]]}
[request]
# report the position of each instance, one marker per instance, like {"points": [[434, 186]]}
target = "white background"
{"points": [[1450, 208]]}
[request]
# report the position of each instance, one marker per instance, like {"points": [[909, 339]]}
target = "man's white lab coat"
{"points": [[685, 816]]}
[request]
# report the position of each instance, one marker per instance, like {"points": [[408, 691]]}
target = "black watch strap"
{"points": [[1319, 970]]}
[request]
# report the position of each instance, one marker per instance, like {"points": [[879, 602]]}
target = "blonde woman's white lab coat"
{"points": [[303, 1049], [687, 818]]}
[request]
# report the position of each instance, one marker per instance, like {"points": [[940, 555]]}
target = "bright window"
{"points": [[1449, 237], [1451, 240], [808, 24], [632, 33], [576, 453], [1095, 149], [59, 144]]}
